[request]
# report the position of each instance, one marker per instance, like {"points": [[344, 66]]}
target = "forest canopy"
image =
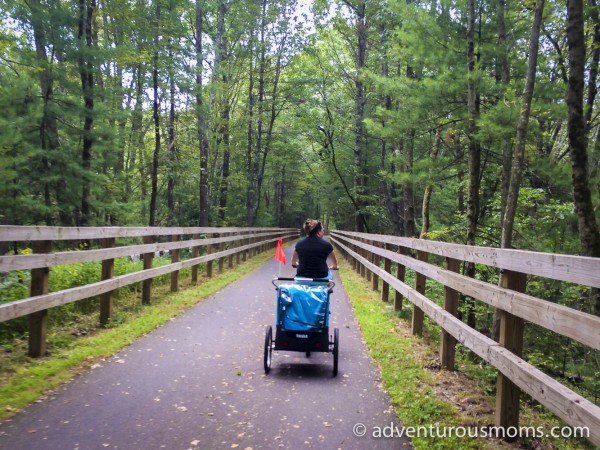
{"points": [[466, 121]]}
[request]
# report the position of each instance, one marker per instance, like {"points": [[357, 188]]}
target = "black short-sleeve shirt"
{"points": [[312, 257]]}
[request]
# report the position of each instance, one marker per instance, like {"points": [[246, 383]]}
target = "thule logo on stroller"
{"points": [[302, 336]]}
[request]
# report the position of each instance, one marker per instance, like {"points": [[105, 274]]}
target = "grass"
{"points": [[24, 380], [423, 395], [409, 385]]}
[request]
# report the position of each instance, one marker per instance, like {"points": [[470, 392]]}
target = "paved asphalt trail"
{"points": [[198, 383]]}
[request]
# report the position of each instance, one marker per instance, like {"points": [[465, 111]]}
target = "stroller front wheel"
{"points": [[268, 348], [336, 350]]}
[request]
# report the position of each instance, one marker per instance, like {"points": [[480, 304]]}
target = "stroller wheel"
{"points": [[336, 350], [268, 348]]}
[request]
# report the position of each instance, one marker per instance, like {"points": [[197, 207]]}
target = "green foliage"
{"points": [[14, 286]]}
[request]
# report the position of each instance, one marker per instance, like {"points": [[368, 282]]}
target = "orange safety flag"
{"points": [[279, 255]]}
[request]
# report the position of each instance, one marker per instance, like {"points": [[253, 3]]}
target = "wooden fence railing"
{"points": [[372, 256], [218, 244]]}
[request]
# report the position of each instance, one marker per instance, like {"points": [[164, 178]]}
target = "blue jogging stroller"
{"points": [[302, 323]]}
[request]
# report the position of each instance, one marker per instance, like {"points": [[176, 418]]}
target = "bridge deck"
{"points": [[198, 382]]}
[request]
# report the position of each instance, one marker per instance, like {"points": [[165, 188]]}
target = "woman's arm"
{"points": [[295, 259], [334, 263]]}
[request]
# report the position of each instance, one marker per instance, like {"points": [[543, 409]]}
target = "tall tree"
{"points": [[172, 141], [86, 73], [589, 234], [223, 106], [201, 121], [359, 10], [49, 141], [435, 150], [155, 116], [518, 157], [503, 78], [474, 145]]}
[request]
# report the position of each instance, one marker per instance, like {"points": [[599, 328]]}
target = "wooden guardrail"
{"points": [[372, 255], [218, 244]]}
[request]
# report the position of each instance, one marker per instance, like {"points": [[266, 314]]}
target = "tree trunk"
{"points": [[86, 73], [410, 228], [279, 201], [250, 191], [258, 150], [359, 101], [474, 149], [429, 188], [136, 144], [48, 124], [201, 121], [172, 146], [474, 146], [329, 147], [156, 118], [503, 77], [518, 157], [592, 90], [359, 111], [388, 186], [221, 71], [268, 139], [589, 234]]}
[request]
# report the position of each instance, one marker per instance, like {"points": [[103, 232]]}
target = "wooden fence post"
{"points": [[221, 259], [418, 314], [108, 271], [251, 240], [244, 241], [195, 254], [370, 257], [363, 253], [227, 246], [387, 266], [375, 260], [511, 337], [147, 284], [209, 264], [448, 343], [38, 321], [238, 243], [401, 275], [174, 259]]}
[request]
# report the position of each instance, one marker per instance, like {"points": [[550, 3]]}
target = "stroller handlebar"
{"points": [[329, 282]]}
